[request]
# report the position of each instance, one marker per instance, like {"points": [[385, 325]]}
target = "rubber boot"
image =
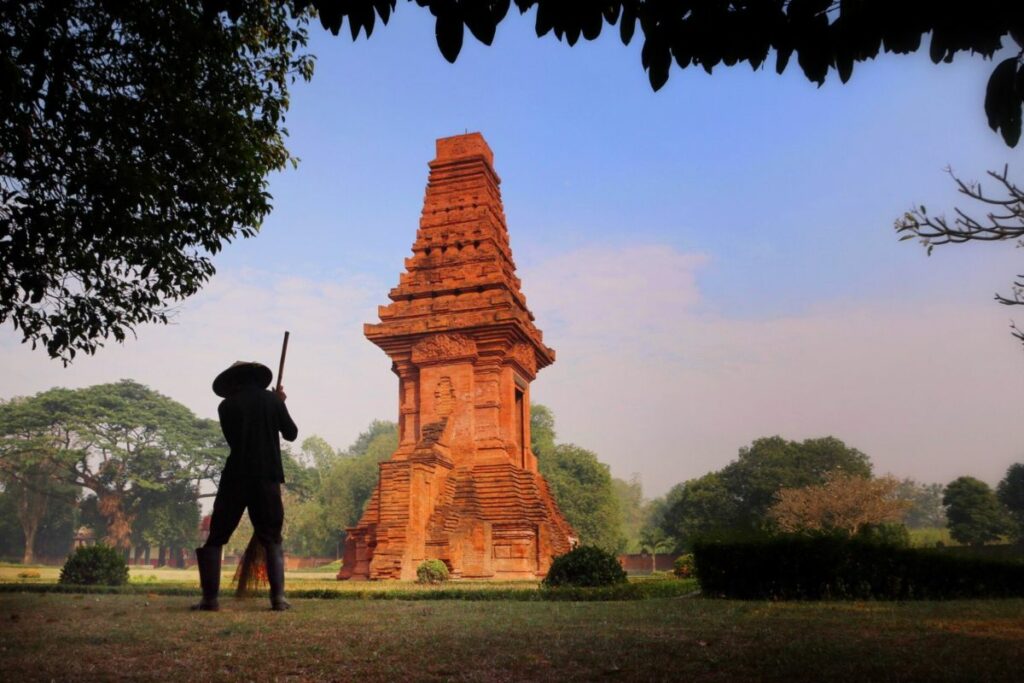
{"points": [[275, 576], [208, 561]]}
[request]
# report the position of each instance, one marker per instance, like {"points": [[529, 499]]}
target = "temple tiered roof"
{"points": [[461, 275]]}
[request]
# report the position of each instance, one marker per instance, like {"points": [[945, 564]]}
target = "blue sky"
{"points": [[713, 262], [777, 173]]}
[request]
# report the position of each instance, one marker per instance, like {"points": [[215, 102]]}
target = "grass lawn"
{"points": [[164, 575], [152, 637]]}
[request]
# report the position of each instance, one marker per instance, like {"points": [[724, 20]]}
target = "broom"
{"points": [[251, 574]]}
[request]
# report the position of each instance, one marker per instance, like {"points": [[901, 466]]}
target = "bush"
{"points": [[432, 571], [683, 566], [833, 567], [893, 534], [95, 565], [585, 566]]}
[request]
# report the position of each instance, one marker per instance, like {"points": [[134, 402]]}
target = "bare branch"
{"points": [[1005, 223]]}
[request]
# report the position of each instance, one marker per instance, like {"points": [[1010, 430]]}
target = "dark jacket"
{"points": [[251, 420]]}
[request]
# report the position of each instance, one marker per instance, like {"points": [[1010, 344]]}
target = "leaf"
{"points": [[656, 56], [844, 65], [481, 23], [545, 19], [1003, 102], [782, 55], [383, 8], [331, 17], [449, 35], [628, 24], [592, 23]]}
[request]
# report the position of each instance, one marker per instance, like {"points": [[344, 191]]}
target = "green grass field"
{"points": [[149, 637], [164, 575], [148, 633]]}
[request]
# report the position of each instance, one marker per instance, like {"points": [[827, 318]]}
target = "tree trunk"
{"points": [[30, 543], [31, 508], [119, 523]]}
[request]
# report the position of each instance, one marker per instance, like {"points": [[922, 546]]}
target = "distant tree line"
{"points": [[119, 458], [822, 485], [132, 465]]}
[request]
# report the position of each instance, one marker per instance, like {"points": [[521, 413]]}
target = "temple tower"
{"points": [[463, 485]]}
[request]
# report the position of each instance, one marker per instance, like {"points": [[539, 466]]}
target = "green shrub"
{"points": [[893, 534], [432, 571], [833, 567], [683, 566], [585, 566], [95, 565]]}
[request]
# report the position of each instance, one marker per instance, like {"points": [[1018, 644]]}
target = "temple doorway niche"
{"points": [[521, 425]]}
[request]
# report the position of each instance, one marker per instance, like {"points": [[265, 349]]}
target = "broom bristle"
{"points": [[251, 574]]}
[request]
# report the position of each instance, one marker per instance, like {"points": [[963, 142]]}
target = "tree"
{"points": [[118, 440], [1003, 220], [975, 514], [166, 517], [38, 496], [925, 509], [739, 496], [30, 470], [11, 538], [633, 508], [696, 508], [582, 487], [135, 140], [49, 534], [580, 484], [1010, 492], [344, 483], [653, 540], [300, 480], [317, 453], [771, 464], [542, 428], [844, 502]]}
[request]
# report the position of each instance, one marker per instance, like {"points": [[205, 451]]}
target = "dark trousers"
{"points": [[263, 500]]}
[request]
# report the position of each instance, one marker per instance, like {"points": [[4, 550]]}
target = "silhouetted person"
{"points": [[251, 418]]}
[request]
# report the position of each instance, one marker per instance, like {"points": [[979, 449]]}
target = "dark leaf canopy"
{"points": [[823, 35], [135, 139]]}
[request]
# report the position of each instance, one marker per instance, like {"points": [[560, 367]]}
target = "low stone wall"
{"points": [[293, 563], [640, 563]]}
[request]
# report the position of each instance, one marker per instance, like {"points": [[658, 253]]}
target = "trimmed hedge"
{"points": [[830, 567], [95, 565], [585, 566]]}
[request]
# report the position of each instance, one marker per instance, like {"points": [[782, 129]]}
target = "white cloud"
{"points": [[648, 374], [337, 382], [656, 383]]}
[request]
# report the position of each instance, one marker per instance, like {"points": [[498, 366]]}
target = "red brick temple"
{"points": [[463, 485]]}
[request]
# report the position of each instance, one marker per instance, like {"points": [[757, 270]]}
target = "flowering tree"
{"points": [[844, 502]]}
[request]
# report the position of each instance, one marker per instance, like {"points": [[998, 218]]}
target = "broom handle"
{"points": [[284, 352]]}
